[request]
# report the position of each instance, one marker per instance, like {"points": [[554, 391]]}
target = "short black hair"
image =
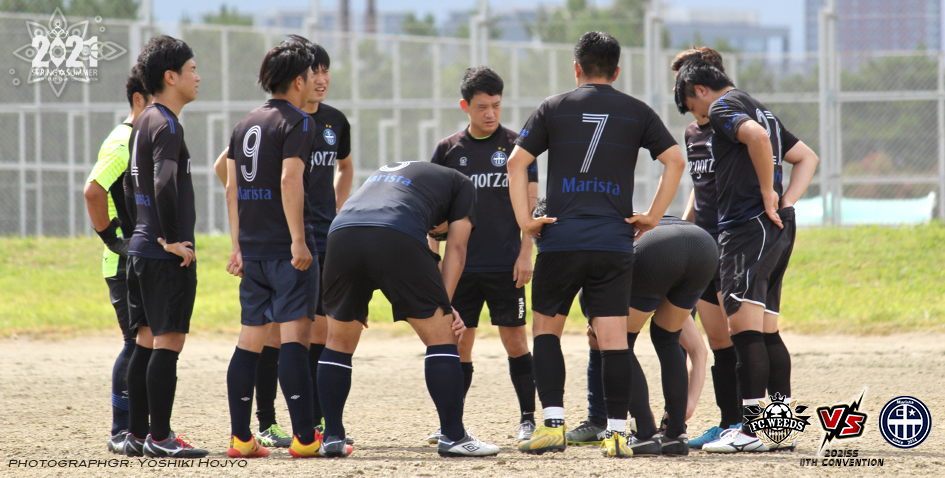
{"points": [[698, 72], [134, 85], [162, 53], [282, 65], [322, 60], [480, 79], [598, 54]]}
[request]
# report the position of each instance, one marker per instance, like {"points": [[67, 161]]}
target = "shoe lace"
{"points": [[183, 441], [277, 431]]}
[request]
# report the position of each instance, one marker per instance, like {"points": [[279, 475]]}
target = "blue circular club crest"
{"points": [[329, 136], [905, 422], [499, 158]]}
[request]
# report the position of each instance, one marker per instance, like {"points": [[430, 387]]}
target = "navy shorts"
{"points": [[604, 276], [164, 295], [497, 289], [118, 292], [275, 291]]}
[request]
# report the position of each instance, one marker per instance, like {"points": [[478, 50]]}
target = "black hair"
{"points": [[698, 72], [282, 65], [480, 79], [134, 85], [705, 53], [598, 54], [322, 60], [162, 53]]}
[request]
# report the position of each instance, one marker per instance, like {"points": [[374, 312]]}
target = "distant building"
{"points": [[870, 25], [510, 23], [739, 28], [387, 22]]}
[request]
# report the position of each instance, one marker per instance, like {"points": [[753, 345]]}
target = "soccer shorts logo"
{"points": [[462, 161], [330, 136], [778, 422], [499, 158], [905, 422], [842, 421]]}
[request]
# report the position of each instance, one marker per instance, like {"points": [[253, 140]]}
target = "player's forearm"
{"points": [[293, 198], [232, 210], [801, 175], [518, 184], [96, 202], [527, 244], [219, 166], [673, 167], [454, 260], [343, 182], [165, 194], [690, 213], [762, 158]]}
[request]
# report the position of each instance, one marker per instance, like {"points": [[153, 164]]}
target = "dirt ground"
{"points": [[54, 405]]}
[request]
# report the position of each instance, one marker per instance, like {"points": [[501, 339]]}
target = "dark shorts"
{"points": [[604, 276], [497, 289], [754, 258], [165, 297], [674, 262], [275, 291], [118, 293], [319, 307], [362, 259], [710, 294]]}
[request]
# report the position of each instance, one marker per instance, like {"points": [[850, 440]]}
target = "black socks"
{"points": [[162, 384], [639, 395], [296, 381], [334, 383], [726, 387], [614, 366], [444, 377], [549, 370], [467, 376], [779, 360], [675, 377], [267, 379], [240, 381], [314, 353], [120, 388], [138, 410], [523, 380], [596, 410], [753, 371]]}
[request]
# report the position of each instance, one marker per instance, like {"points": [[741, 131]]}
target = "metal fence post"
{"points": [[941, 134]]}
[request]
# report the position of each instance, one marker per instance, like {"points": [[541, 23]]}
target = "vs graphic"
{"points": [[842, 421]]}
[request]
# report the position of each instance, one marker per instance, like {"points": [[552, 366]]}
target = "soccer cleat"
{"points": [[298, 450], [466, 446], [649, 447], [321, 429], [545, 439], [132, 446], [678, 446], [525, 430], [734, 441], [614, 445], [434, 438], [246, 449], [172, 447], [334, 447], [785, 446], [587, 433], [117, 441], [275, 437], [710, 435]]}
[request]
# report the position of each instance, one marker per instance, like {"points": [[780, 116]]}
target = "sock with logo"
{"points": [[614, 367], [162, 384], [334, 384], [596, 410], [120, 388], [520, 369], [444, 377], [240, 381], [639, 395], [549, 370], [675, 377], [467, 376], [267, 380], [726, 387], [752, 370], [779, 360], [138, 410], [314, 354], [296, 381]]}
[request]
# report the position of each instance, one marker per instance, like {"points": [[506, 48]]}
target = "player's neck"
{"points": [[715, 95], [479, 133], [311, 107], [292, 99], [171, 100], [594, 81]]}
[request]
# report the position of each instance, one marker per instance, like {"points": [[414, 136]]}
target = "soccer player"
{"points": [[105, 201], [593, 134], [703, 211], [499, 259], [162, 273], [673, 264], [265, 190], [396, 208], [757, 229]]}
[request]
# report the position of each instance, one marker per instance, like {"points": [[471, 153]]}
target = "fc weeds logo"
{"points": [[842, 421], [778, 422]]}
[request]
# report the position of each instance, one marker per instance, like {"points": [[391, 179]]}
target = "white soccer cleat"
{"points": [[467, 446], [734, 441]]}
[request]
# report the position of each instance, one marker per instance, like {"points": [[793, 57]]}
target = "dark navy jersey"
{"points": [[158, 136], [593, 135], [412, 197], [497, 241], [737, 182], [332, 142], [265, 137], [702, 170]]}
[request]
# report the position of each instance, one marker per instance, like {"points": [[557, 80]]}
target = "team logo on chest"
{"points": [[499, 158], [330, 136]]}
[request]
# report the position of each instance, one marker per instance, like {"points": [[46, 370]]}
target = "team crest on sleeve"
{"points": [[329, 136], [905, 422], [499, 158], [842, 421], [778, 422]]}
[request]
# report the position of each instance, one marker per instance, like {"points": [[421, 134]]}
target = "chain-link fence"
{"points": [[885, 135]]}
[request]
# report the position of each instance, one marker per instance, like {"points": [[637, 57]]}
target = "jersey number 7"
{"points": [[601, 121]]}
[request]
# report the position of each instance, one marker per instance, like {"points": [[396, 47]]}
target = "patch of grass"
{"points": [[864, 280]]}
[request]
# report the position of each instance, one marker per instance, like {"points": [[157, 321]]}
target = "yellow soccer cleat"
{"points": [[545, 439], [298, 450], [246, 449], [615, 445]]}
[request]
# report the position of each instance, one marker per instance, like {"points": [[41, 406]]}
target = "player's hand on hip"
{"points": [[772, 199], [301, 256], [458, 326], [534, 224], [181, 249], [642, 223], [235, 266], [522, 272]]}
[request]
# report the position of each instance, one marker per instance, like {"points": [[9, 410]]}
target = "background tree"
{"points": [[411, 25], [227, 16]]}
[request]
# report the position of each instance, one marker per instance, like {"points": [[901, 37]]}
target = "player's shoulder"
{"points": [[160, 117], [331, 113], [508, 134], [692, 129], [452, 140]]}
